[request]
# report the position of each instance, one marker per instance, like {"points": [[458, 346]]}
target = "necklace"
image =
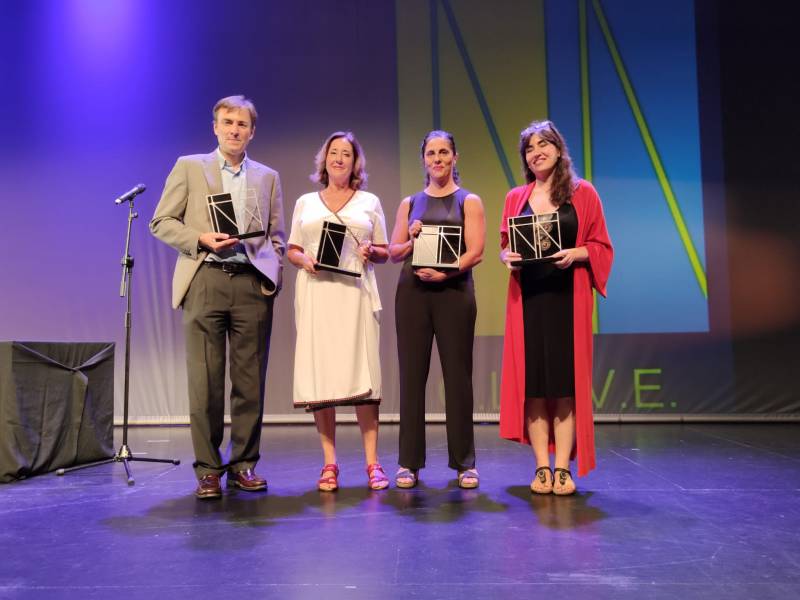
{"points": [[335, 213], [349, 197]]}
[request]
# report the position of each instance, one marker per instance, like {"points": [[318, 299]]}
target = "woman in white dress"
{"points": [[337, 316]]}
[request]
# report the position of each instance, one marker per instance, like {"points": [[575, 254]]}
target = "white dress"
{"points": [[337, 317]]}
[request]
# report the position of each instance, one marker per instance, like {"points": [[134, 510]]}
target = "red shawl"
{"points": [[594, 273]]}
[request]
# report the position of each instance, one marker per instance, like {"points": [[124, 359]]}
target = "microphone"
{"points": [[130, 194]]}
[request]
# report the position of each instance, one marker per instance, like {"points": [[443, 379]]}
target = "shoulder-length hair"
{"points": [[564, 178], [446, 135], [358, 178]]}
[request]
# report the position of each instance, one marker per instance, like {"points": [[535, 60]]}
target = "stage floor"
{"points": [[689, 511]]}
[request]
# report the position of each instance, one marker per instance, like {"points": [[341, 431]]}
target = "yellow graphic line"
{"points": [[587, 125], [585, 112], [672, 203]]}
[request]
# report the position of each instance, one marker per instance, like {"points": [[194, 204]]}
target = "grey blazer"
{"points": [[182, 215]]}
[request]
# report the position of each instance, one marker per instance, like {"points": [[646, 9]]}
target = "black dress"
{"points": [[548, 319]]}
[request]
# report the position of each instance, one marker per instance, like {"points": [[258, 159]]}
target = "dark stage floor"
{"points": [[689, 511]]}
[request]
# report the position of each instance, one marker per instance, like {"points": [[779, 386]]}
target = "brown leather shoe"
{"points": [[246, 480], [208, 487]]}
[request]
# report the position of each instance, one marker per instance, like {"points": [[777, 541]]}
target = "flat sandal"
{"points": [[562, 475], [468, 479], [403, 473], [541, 476]]}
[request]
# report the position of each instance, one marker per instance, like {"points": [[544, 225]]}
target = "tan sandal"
{"points": [[329, 483], [406, 478], [542, 481], [468, 480], [563, 484], [377, 477]]}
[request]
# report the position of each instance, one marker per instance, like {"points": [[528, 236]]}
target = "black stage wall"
{"points": [[759, 96]]}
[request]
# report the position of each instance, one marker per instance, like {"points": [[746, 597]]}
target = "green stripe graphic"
{"points": [[655, 159]]}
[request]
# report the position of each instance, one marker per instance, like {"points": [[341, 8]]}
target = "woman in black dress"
{"points": [[431, 302], [548, 402]]}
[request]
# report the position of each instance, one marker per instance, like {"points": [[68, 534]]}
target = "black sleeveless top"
{"points": [[431, 210], [444, 210]]}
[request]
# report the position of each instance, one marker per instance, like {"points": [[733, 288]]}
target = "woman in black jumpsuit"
{"points": [[435, 303]]}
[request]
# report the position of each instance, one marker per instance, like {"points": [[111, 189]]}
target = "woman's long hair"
{"points": [[358, 178], [564, 179]]}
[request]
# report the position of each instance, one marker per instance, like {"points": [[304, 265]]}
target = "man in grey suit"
{"points": [[226, 287]]}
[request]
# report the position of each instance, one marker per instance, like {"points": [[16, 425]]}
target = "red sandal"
{"points": [[377, 477], [330, 483]]}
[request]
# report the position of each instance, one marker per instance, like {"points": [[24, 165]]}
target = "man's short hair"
{"points": [[235, 102]]}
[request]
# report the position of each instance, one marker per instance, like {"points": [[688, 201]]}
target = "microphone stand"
{"points": [[124, 454]]}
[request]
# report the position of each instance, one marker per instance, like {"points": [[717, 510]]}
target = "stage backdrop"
{"points": [[101, 95]]}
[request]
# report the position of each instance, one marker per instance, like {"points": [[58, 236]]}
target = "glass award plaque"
{"points": [[438, 247], [222, 212], [535, 237], [338, 251]]}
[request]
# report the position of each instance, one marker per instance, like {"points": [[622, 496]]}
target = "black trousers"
{"points": [[226, 312], [447, 312]]}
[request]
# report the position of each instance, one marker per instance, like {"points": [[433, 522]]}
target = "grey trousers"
{"points": [[226, 311]]}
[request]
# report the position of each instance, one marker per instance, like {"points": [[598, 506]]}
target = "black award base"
{"points": [[249, 234], [532, 261], [339, 270]]}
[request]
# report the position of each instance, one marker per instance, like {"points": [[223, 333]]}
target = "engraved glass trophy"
{"points": [[438, 247], [535, 237], [224, 219], [338, 250]]}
